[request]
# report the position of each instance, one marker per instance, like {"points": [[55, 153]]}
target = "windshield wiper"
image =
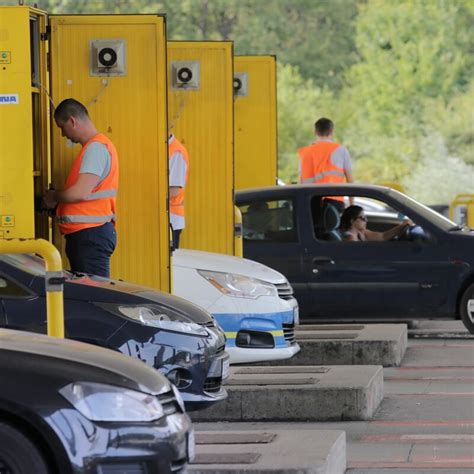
{"points": [[458, 227]]}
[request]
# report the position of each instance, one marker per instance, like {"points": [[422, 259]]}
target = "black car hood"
{"points": [[112, 367], [91, 288]]}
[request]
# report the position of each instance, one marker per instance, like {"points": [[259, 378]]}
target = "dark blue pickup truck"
{"points": [[427, 272]]}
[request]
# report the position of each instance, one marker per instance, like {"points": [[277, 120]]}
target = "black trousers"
{"points": [[89, 250], [176, 236]]}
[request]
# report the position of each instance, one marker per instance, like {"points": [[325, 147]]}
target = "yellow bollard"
{"points": [[461, 209], [53, 280], [238, 238]]}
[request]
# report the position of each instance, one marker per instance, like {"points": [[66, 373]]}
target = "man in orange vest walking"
{"points": [[325, 161], [86, 207], [178, 177]]}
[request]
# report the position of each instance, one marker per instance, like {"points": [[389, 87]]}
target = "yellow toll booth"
{"points": [[116, 66], [461, 210], [24, 121], [200, 114], [256, 156]]}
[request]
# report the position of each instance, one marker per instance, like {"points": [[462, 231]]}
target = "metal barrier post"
{"points": [[461, 209], [53, 281], [238, 237]]}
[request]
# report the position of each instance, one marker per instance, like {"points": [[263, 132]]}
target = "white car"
{"points": [[252, 303]]}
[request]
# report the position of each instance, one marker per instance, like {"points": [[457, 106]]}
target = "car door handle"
{"points": [[323, 261]]}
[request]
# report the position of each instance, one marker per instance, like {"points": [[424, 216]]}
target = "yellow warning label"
{"points": [[5, 57], [8, 221]]}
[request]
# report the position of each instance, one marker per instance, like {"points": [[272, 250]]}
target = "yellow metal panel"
{"points": [[256, 123], [131, 110], [203, 120], [16, 123]]}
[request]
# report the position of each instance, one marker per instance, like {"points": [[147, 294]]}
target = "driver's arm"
{"points": [[388, 234]]}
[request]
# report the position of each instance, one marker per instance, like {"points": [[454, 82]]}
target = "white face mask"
{"points": [[69, 143]]}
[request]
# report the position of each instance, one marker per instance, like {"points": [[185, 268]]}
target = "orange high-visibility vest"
{"points": [[99, 208], [316, 165], [177, 203]]}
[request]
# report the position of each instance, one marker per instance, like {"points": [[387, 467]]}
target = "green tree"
{"points": [[412, 52]]}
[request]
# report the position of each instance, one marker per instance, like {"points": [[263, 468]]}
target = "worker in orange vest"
{"points": [[325, 161], [178, 177], [86, 206]]}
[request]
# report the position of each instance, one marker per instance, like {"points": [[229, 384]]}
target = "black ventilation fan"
{"points": [[237, 84], [107, 57], [185, 75]]}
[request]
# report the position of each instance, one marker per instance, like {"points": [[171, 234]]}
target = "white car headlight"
{"points": [[100, 402], [156, 316], [238, 285]]}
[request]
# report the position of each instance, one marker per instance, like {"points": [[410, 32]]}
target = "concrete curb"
{"points": [[302, 393], [316, 452], [376, 344]]}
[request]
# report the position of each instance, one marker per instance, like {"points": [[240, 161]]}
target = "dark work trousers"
{"points": [[176, 236], [89, 250]]}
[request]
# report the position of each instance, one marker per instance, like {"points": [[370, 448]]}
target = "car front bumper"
{"points": [[269, 333], [201, 362], [164, 446]]}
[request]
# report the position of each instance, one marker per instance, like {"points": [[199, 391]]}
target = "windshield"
{"points": [[29, 263], [429, 214]]}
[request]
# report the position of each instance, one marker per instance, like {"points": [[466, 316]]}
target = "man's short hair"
{"points": [[324, 127], [70, 108]]}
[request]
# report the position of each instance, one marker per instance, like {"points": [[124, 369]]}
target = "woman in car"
{"points": [[354, 227]]}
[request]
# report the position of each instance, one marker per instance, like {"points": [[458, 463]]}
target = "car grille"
{"points": [[178, 466], [120, 468], [210, 324], [289, 333], [169, 403], [220, 349], [285, 291], [213, 384]]}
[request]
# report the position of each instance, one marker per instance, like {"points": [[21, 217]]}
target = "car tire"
{"points": [[467, 308], [18, 455]]}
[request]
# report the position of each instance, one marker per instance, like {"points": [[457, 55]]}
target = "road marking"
{"points": [[430, 379], [423, 423], [435, 369], [440, 346], [419, 438], [430, 394], [459, 464]]}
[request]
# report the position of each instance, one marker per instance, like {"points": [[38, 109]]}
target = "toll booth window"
{"points": [[34, 50], [269, 221], [10, 289]]}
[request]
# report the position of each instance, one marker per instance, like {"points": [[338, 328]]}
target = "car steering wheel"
{"points": [[412, 232]]}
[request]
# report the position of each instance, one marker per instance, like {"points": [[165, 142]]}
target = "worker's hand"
{"points": [[49, 200]]}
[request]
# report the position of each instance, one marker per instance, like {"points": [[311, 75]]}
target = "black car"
{"points": [[72, 408], [428, 272], [176, 337]]}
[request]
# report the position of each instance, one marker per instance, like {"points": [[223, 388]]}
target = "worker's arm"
{"points": [[342, 158], [79, 191], [178, 170], [174, 190], [349, 179]]}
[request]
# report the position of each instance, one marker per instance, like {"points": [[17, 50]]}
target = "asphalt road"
{"points": [[425, 424]]}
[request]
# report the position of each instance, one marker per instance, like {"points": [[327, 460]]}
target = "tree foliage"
{"points": [[413, 59], [396, 76]]}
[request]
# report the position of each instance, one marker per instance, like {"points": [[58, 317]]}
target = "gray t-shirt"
{"points": [[96, 160], [341, 158]]}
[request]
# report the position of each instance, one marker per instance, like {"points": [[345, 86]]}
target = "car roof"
{"points": [[349, 188]]}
